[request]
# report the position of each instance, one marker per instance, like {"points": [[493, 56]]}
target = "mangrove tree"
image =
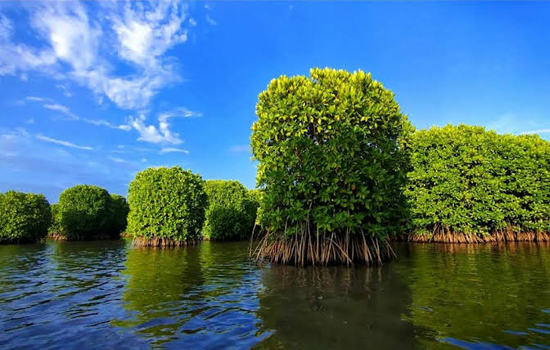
{"points": [[332, 161], [167, 207]]}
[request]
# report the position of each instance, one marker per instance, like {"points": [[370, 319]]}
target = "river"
{"points": [[109, 295]]}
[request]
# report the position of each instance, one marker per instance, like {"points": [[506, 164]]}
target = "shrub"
{"points": [[119, 212], [332, 162], [167, 206], [469, 184], [231, 211], [84, 212], [24, 217], [55, 226]]}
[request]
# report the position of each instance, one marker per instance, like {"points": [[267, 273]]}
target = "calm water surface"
{"points": [[108, 295]]}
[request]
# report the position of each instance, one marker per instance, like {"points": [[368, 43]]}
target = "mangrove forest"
{"points": [[341, 173]]}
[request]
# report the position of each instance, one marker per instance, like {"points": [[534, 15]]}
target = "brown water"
{"points": [[101, 295]]}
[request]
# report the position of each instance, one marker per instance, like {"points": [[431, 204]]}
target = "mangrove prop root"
{"points": [[100, 237], [306, 248], [444, 235], [162, 242]]}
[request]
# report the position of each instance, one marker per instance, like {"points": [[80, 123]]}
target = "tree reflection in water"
{"points": [[200, 297], [335, 308]]}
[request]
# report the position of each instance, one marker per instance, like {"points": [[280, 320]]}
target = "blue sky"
{"points": [[94, 92]]}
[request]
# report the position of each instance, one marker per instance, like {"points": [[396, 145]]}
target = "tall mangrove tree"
{"points": [[332, 159]]}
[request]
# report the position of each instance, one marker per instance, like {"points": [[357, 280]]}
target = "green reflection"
{"points": [[483, 293], [23, 261], [335, 308], [174, 291], [158, 280]]}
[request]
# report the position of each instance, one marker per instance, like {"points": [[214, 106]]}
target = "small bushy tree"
{"points": [[167, 206], [85, 212], [119, 212], [24, 217], [231, 210], [332, 160]]}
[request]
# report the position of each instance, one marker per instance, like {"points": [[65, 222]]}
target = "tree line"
{"points": [[167, 207], [341, 172]]}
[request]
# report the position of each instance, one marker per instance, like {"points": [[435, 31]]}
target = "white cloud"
{"points": [[511, 123], [66, 111], [64, 89], [16, 58], [36, 99], [173, 150], [146, 34], [150, 133], [103, 122], [162, 133], [60, 108], [9, 139], [240, 149], [78, 47], [537, 131], [210, 21], [62, 143]]}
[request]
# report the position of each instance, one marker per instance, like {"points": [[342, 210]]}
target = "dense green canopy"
{"points": [[119, 212], [231, 211], [24, 217], [84, 212], [470, 181], [332, 159], [167, 203]]}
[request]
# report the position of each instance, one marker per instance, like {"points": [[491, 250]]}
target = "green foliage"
{"points": [[55, 226], [167, 203], [84, 212], [24, 217], [256, 196], [231, 212], [332, 152], [468, 180], [119, 212]]}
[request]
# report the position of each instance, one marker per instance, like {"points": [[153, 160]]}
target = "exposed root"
{"points": [[306, 248], [507, 235], [162, 242], [99, 237]]}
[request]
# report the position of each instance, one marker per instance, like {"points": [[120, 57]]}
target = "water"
{"points": [[108, 295]]}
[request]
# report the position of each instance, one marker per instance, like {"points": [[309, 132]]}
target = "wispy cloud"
{"points": [[62, 143], [64, 89], [25, 158], [76, 47], [537, 131], [210, 21], [163, 133], [240, 149], [36, 99], [62, 109], [173, 150], [511, 123], [52, 105]]}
